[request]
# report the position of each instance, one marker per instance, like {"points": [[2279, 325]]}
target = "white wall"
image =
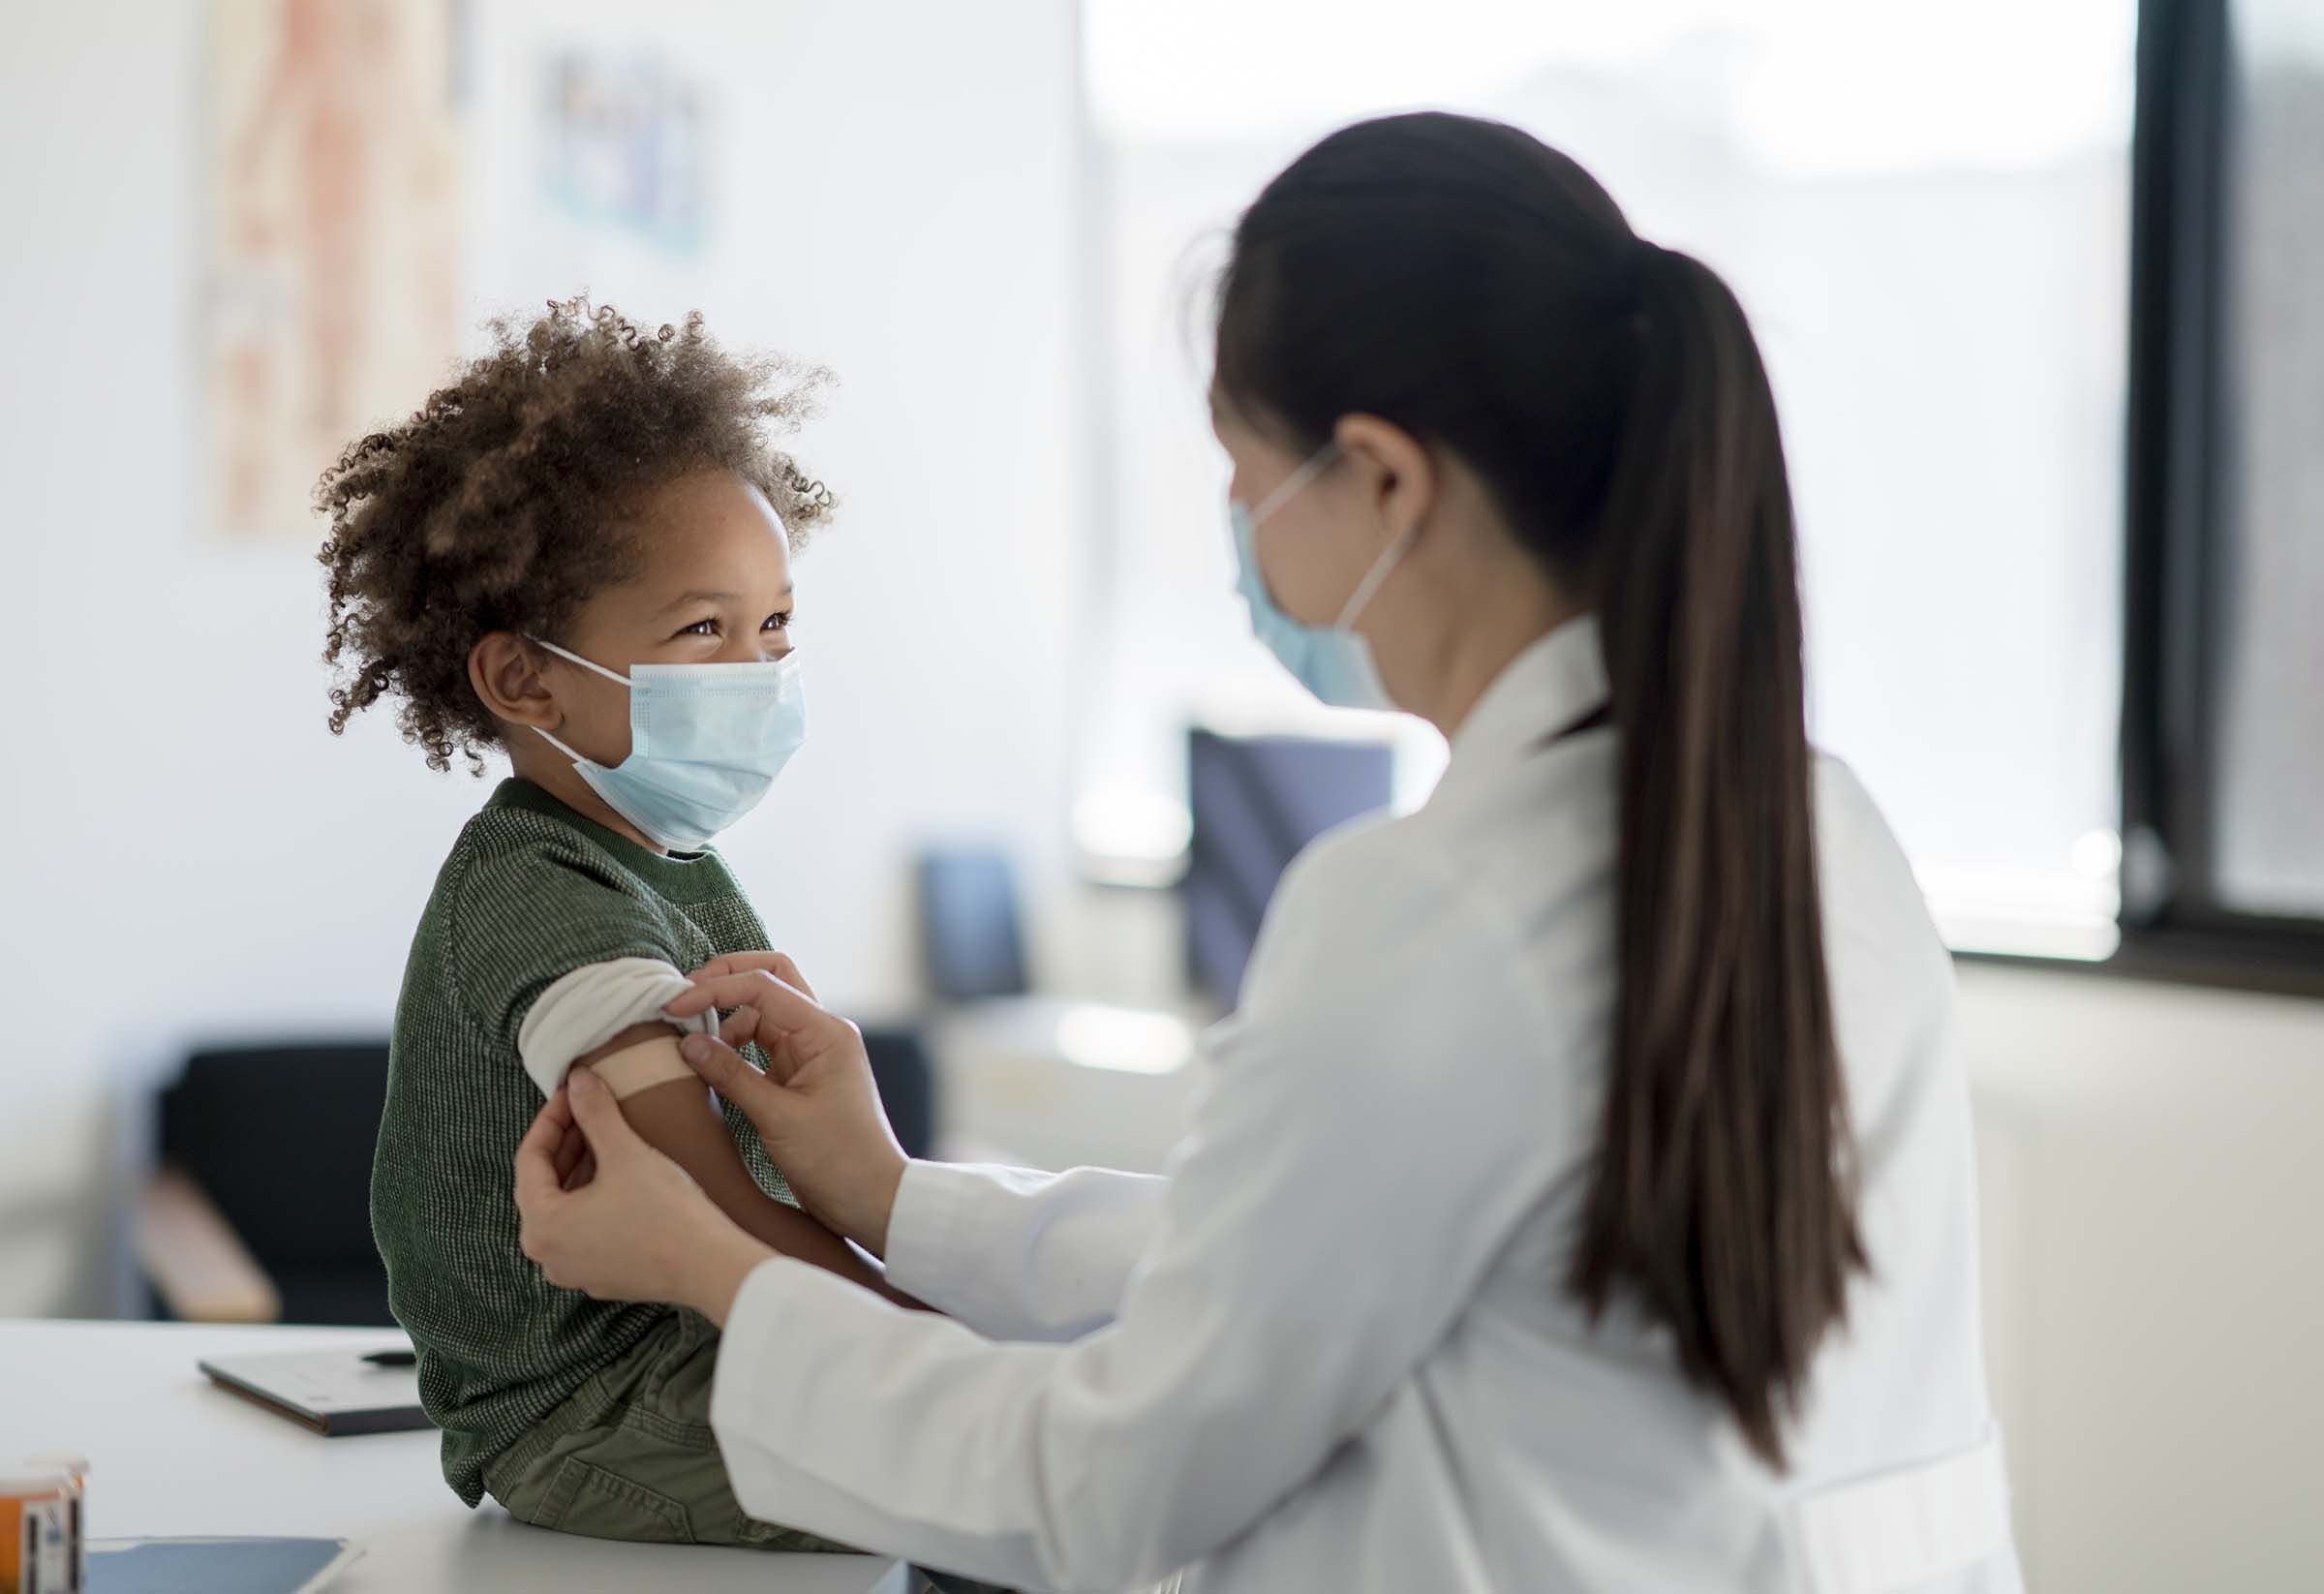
{"points": [[2156, 1278], [188, 853]]}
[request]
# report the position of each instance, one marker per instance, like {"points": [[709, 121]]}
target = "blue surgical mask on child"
{"points": [[1334, 661], [706, 741]]}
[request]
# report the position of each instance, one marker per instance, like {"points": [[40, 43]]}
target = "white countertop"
{"points": [[170, 1454]]}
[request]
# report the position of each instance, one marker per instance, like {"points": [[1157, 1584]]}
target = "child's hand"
{"points": [[639, 1229], [816, 1107]]}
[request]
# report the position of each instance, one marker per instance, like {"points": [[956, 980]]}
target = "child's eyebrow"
{"points": [[701, 597], [707, 597]]}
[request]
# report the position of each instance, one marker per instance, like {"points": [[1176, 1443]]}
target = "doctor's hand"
{"points": [[640, 1228], [816, 1107]]}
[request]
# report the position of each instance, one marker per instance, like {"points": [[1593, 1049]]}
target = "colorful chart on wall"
{"points": [[624, 145], [329, 298]]}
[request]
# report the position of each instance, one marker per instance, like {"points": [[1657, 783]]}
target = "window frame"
{"points": [[2173, 923]]}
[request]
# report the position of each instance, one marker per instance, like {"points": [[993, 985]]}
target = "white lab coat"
{"points": [[1332, 1349]]}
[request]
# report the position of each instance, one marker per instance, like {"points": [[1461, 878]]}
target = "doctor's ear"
{"points": [[1392, 468], [505, 672]]}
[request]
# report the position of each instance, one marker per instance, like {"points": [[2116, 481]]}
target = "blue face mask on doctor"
{"points": [[706, 741], [1332, 661]]}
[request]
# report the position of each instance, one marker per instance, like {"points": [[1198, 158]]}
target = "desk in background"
{"points": [[170, 1454]]}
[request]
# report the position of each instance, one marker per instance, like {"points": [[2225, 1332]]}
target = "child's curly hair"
{"points": [[496, 505]]}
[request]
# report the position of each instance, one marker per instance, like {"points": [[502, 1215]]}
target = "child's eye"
{"points": [[700, 628], [777, 623]]}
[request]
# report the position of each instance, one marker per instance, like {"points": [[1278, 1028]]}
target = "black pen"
{"points": [[393, 1358]]}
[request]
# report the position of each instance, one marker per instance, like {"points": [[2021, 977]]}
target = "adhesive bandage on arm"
{"points": [[590, 1006], [641, 1067]]}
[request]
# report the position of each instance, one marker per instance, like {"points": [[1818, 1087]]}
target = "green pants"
{"points": [[630, 1455]]}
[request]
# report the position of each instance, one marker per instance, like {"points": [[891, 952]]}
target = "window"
{"points": [[2267, 835], [2223, 732], [1931, 235]]}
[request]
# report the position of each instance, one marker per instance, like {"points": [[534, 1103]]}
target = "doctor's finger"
{"points": [[569, 1152], [783, 1009], [777, 964], [611, 1140], [724, 1069], [558, 1109], [719, 1065], [539, 1183]]}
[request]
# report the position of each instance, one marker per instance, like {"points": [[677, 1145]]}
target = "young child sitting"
{"points": [[578, 554]]}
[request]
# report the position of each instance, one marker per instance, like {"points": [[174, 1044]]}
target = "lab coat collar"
{"points": [[1554, 684]]}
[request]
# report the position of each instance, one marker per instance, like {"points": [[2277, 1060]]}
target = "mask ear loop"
{"points": [[1381, 569], [542, 642], [1292, 483], [620, 680], [578, 760]]}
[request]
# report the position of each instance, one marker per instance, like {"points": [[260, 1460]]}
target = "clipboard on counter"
{"points": [[335, 1394], [217, 1565]]}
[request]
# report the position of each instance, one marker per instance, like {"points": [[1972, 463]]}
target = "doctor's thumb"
{"points": [[721, 1067], [598, 1113]]}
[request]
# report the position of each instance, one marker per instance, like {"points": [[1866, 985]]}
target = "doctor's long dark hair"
{"points": [[1463, 280]]}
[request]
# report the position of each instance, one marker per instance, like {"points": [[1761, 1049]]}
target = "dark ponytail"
{"points": [[1463, 280]]}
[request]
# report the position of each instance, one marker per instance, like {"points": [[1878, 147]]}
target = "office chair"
{"points": [[907, 1086], [258, 1210]]}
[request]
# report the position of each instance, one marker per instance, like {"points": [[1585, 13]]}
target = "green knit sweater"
{"points": [[532, 892]]}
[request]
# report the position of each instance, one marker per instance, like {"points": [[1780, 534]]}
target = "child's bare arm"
{"points": [[675, 1116]]}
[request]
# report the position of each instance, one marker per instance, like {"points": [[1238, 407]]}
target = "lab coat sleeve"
{"points": [[1373, 1128], [1017, 1254]]}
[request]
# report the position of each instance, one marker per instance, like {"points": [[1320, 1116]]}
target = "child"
{"points": [[577, 554]]}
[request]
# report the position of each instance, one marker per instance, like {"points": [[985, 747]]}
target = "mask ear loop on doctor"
{"points": [[1381, 568]]}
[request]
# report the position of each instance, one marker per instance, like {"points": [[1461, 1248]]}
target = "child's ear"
{"points": [[504, 671]]}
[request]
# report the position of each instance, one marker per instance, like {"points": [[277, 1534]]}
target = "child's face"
{"points": [[714, 589]]}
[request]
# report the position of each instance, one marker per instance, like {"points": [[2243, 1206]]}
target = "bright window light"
{"points": [[1924, 207], [1124, 1040], [1813, 85]]}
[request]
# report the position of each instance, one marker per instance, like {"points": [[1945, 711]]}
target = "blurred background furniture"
{"points": [[257, 1208], [907, 1084], [1025, 1078], [971, 929], [1253, 803]]}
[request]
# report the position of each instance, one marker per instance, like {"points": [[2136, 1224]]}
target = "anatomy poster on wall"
{"points": [[329, 298]]}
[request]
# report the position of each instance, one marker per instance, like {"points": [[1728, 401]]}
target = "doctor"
{"points": [[1582, 1197]]}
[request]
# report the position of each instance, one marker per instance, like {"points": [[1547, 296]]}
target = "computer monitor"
{"points": [[1255, 801], [971, 941]]}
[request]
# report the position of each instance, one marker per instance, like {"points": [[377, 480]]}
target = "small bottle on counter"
{"points": [[77, 1513], [37, 1554]]}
